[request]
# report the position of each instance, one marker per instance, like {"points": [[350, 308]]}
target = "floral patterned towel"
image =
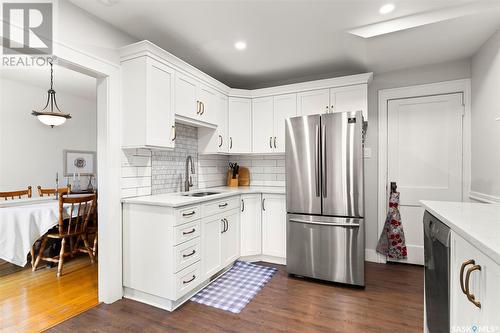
{"points": [[392, 239]]}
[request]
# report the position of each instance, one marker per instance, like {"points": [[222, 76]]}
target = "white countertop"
{"points": [[178, 199], [477, 223]]}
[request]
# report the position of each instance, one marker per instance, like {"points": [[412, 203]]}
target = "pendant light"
{"points": [[53, 117]]}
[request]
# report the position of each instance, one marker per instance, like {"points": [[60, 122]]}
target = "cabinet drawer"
{"points": [[186, 254], [221, 206], [187, 214], [187, 231], [187, 279]]}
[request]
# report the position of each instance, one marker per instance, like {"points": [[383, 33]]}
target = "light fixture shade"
{"points": [[51, 118]]}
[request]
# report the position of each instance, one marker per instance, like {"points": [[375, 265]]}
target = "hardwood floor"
{"points": [[391, 302], [34, 301]]}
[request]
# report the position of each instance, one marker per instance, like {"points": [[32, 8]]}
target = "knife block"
{"points": [[230, 181]]}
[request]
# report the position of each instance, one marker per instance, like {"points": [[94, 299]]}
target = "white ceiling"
{"points": [[65, 80], [289, 41]]}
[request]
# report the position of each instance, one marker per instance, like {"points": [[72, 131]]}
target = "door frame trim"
{"points": [[439, 88]]}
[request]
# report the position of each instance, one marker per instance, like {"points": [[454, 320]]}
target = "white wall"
{"points": [[485, 130], [413, 76], [31, 153]]}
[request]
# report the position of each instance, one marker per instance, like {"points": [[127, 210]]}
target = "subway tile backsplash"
{"points": [[146, 172]]}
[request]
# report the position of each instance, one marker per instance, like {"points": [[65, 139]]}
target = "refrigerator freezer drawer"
{"points": [[324, 248]]}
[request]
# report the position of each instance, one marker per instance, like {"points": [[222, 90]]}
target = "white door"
{"points": [[222, 115], [251, 225], [424, 158], [274, 225], [285, 106], [160, 117], [349, 98], [231, 239], [211, 245], [186, 96], [313, 102], [208, 106], [262, 125], [240, 125]]}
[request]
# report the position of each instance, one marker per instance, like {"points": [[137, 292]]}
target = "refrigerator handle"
{"points": [[318, 154], [323, 160]]}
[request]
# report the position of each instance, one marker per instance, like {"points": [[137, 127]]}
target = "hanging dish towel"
{"points": [[392, 239]]}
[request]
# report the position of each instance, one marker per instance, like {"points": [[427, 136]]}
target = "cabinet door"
{"points": [[208, 111], [222, 115], [463, 312], [274, 225], [251, 225], [350, 98], [313, 102], [285, 106], [231, 238], [240, 125], [262, 125], [211, 240], [186, 96], [160, 115]]}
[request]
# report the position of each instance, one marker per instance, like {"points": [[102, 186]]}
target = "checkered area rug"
{"points": [[236, 288]]}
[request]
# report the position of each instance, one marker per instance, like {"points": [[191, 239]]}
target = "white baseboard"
{"points": [[483, 197], [371, 255]]}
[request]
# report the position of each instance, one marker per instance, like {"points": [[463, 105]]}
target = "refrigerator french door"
{"points": [[324, 186]]}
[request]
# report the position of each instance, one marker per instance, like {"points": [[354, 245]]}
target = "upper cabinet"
{"points": [[216, 141], [268, 122], [195, 102], [147, 104], [338, 99], [240, 125]]}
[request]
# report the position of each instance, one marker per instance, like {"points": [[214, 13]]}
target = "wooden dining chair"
{"points": [[71, 225], [52, 191], [16, 194]]}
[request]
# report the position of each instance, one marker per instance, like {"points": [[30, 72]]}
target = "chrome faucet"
{"points": [[189, 180]]}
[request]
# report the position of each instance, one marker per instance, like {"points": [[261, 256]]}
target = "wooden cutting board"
{"points": [[243, 177]]}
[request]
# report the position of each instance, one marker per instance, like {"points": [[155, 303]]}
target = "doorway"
{"points": [[425, 151]]}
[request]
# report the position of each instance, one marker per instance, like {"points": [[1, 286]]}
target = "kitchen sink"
{"points": [[200, 194]]}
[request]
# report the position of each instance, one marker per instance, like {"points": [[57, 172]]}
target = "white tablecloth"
{"points": [[22, 225]]}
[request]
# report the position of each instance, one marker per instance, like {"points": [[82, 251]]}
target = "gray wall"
{"points": [[418, 75], [485, 131]]}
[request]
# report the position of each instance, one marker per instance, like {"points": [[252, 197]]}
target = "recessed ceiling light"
{"points": [[387, 8], [240, 45]]}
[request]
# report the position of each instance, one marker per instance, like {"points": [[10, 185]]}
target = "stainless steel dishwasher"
{"points": [[437, 274]]}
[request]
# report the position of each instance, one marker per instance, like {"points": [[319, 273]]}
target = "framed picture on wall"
{"points": [[79, 162]]}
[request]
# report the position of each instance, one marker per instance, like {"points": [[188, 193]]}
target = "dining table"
{"points": [[22, 223]]}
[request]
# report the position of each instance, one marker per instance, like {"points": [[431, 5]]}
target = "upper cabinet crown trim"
{"points": [[146, 47]]}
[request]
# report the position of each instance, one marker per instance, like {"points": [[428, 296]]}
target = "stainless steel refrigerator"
{"points": [[325, 199]]}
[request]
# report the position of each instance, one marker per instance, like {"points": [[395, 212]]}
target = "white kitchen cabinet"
{"points": [[194, 101], [313, 102], [147, 104], [211, 245], [263, 124], [274, 225], [483, 284], [251, 225], [285, 106], [240, 125], [230, 240], [214, 141], [349, 98]]}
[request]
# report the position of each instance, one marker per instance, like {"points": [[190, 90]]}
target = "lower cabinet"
{"points": [[251, 225], [274, 225], [474, 289], [220, 241]]}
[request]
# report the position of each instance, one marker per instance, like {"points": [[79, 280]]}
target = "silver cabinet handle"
{"points": [[223, 205], [202, 109], [231, 142], [323, 161], [274, 142], [264, 204], [188, 214], [242, 205], [198, 107], [220, 141], [190, 280], [271, 142], [189, 255], [189, 232], [174, 131], [317, 160], [224, 225], [227, 225]]}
